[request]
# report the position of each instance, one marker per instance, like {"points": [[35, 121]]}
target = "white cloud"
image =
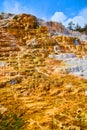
{"points": [[14, 7], [83, 13], [58, 17], [80, 18], [76, 20]]}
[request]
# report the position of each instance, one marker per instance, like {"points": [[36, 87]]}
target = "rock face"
{"points": [[57, 27], [54, 27], [8, 49], [24, 21], [8, 43]]}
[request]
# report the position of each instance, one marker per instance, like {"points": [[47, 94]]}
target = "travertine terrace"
{"points": [[43, 76]]}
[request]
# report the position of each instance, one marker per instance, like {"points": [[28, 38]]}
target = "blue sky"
{"points": [[55, 10]]}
